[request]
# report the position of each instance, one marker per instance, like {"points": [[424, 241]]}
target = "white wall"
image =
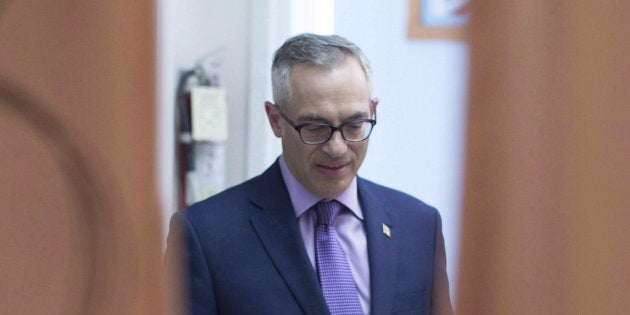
{"points": [[187, 31], [417, 145]]}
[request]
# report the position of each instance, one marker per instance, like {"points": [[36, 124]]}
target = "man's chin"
{"points": [[332, 189]]}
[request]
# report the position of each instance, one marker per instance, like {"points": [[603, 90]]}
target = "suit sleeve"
{"points": [[440, 296], [185, 255]]}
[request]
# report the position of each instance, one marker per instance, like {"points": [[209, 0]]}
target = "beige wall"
{"points": [[80, 229], [546, 209]]}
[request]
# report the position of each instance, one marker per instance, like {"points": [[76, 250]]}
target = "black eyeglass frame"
{"points": [[332, 128]]}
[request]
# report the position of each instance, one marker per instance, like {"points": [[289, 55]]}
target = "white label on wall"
{"points": [[209, 113]]}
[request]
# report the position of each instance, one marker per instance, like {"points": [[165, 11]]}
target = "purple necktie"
{"points": [[335, 277]]}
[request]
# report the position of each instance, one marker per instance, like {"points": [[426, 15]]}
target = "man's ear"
{"points": [[373, 104], [274, 118]]}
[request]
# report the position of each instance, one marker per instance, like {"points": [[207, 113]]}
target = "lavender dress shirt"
{"points": [[349, 225]]}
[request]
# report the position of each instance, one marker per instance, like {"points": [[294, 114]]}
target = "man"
{"points": [[308, 236]]}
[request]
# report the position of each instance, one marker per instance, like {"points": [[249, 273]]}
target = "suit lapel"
{"points": [[381, 249], [277, 228]]}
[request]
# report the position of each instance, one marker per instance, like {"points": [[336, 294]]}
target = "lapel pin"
{"points": [[387, 231]]}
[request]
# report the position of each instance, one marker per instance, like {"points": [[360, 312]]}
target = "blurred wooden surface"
{"points": [[547, 197], [80, 224]]}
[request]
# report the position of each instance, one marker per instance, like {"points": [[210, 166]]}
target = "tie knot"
{"points": [[327, 211]]}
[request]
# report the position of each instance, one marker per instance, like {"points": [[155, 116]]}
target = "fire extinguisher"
{"points": [[202, 132]]}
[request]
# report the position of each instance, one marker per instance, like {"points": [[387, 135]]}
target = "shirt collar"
{"points": [[302, 199]]}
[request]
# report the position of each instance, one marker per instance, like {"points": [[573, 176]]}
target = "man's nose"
{"points": [[336, 145]]}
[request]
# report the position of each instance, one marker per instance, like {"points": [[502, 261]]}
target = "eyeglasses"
{"points": [[318, 133]]}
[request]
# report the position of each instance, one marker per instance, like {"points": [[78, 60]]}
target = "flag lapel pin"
{"points": [[387, 230]]}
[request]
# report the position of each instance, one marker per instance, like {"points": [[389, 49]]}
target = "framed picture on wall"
{"points": [[438, 19]]}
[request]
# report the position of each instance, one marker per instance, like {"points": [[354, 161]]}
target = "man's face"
{"points": [[330, 96]]}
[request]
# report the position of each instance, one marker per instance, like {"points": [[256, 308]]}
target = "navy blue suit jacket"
{"points": [[244, 253]]}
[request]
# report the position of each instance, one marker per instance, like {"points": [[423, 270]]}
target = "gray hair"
{"points": [[324, 51]]}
